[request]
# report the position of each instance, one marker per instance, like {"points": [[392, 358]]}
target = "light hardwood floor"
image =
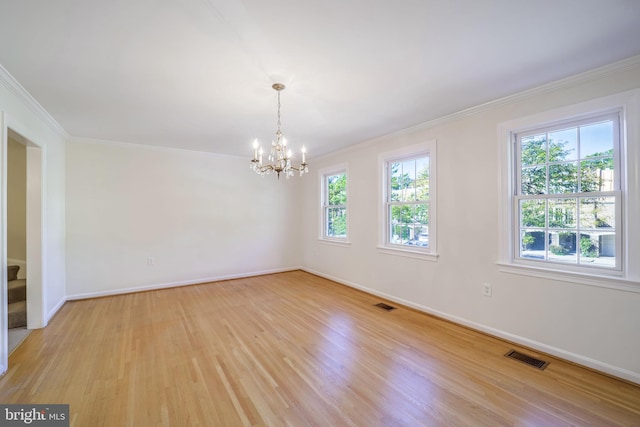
{"points": [[292, 349]]}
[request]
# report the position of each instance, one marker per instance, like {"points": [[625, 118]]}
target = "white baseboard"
{"points": [[22, 273], [176, 284], [597, 365], [53, 311]]}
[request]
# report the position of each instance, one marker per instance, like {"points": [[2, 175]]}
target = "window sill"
{"points": [[342, 243], [571, 277], [408, 253]]}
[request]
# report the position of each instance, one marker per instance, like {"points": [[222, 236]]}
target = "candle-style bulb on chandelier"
{"points": [[279, 160]]}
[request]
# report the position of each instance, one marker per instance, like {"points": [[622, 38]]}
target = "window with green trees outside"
{"points": [[408, 201], [568, 193], [335, 205]]}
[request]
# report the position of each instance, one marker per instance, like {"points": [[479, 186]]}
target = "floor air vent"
{"points": [[384, 306], [531, 361]]}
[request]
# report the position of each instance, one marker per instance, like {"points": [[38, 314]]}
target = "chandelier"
{"points": [[280, 155]]}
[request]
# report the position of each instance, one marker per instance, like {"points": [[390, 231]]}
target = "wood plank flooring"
{"points": [[293, 349]]}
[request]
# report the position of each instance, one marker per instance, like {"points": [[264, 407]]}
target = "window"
{"points": [[568, 193], [334, 204], [408, 200]]}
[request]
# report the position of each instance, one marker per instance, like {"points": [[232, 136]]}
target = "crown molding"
{"points": [[149, 147], [567, 82], [598, 73], [21, 93]]}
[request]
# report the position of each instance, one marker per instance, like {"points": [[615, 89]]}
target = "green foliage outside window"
{"points": [[337, 201], [409, 188], [551, 165], [528, 240], [337, 189], [588, 247]]}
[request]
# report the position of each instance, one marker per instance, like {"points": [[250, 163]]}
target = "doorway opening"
{"points": [[22, 243], [16, 240]]}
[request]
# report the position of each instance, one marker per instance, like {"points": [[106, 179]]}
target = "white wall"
{"points": [[594, 326], [199, 216]]}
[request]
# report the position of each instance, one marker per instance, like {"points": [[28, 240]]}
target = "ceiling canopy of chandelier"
{"points": [[280, 155]]}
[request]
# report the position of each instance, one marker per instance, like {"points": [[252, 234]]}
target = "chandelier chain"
{"points": [[279, 124]]}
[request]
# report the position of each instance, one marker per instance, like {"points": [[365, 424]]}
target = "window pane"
{"points": [[422, 214], [421, 231], [563, 145], [396, 174], [409, 169], [396, 195], [533, 150], [562, 246], [400, 234], [596, 175], [422, 168], [422, 189], [532, 213], [409, 225], [597, 212], [534, 180], [337, 189], [336, 222], [532, 244], [596, 139], [563, 178], [598, 249], [409, 194], [399, 181], [396, 170], [400, 217], [409, 180], [421, 182], [562, 213]]}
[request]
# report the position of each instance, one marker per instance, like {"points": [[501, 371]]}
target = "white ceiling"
{"points": [[197, 74]]}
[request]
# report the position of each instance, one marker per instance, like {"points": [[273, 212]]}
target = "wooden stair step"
{"points": [[17, 290], [12, 272], [17, 314]]}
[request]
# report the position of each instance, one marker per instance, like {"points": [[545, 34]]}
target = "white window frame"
{"points": [[627, 274], [616, 193], [427, 148], [323, 175]]}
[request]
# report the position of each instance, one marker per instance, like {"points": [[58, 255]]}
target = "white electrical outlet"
{"points": [[150, 260], [486, 289]]}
